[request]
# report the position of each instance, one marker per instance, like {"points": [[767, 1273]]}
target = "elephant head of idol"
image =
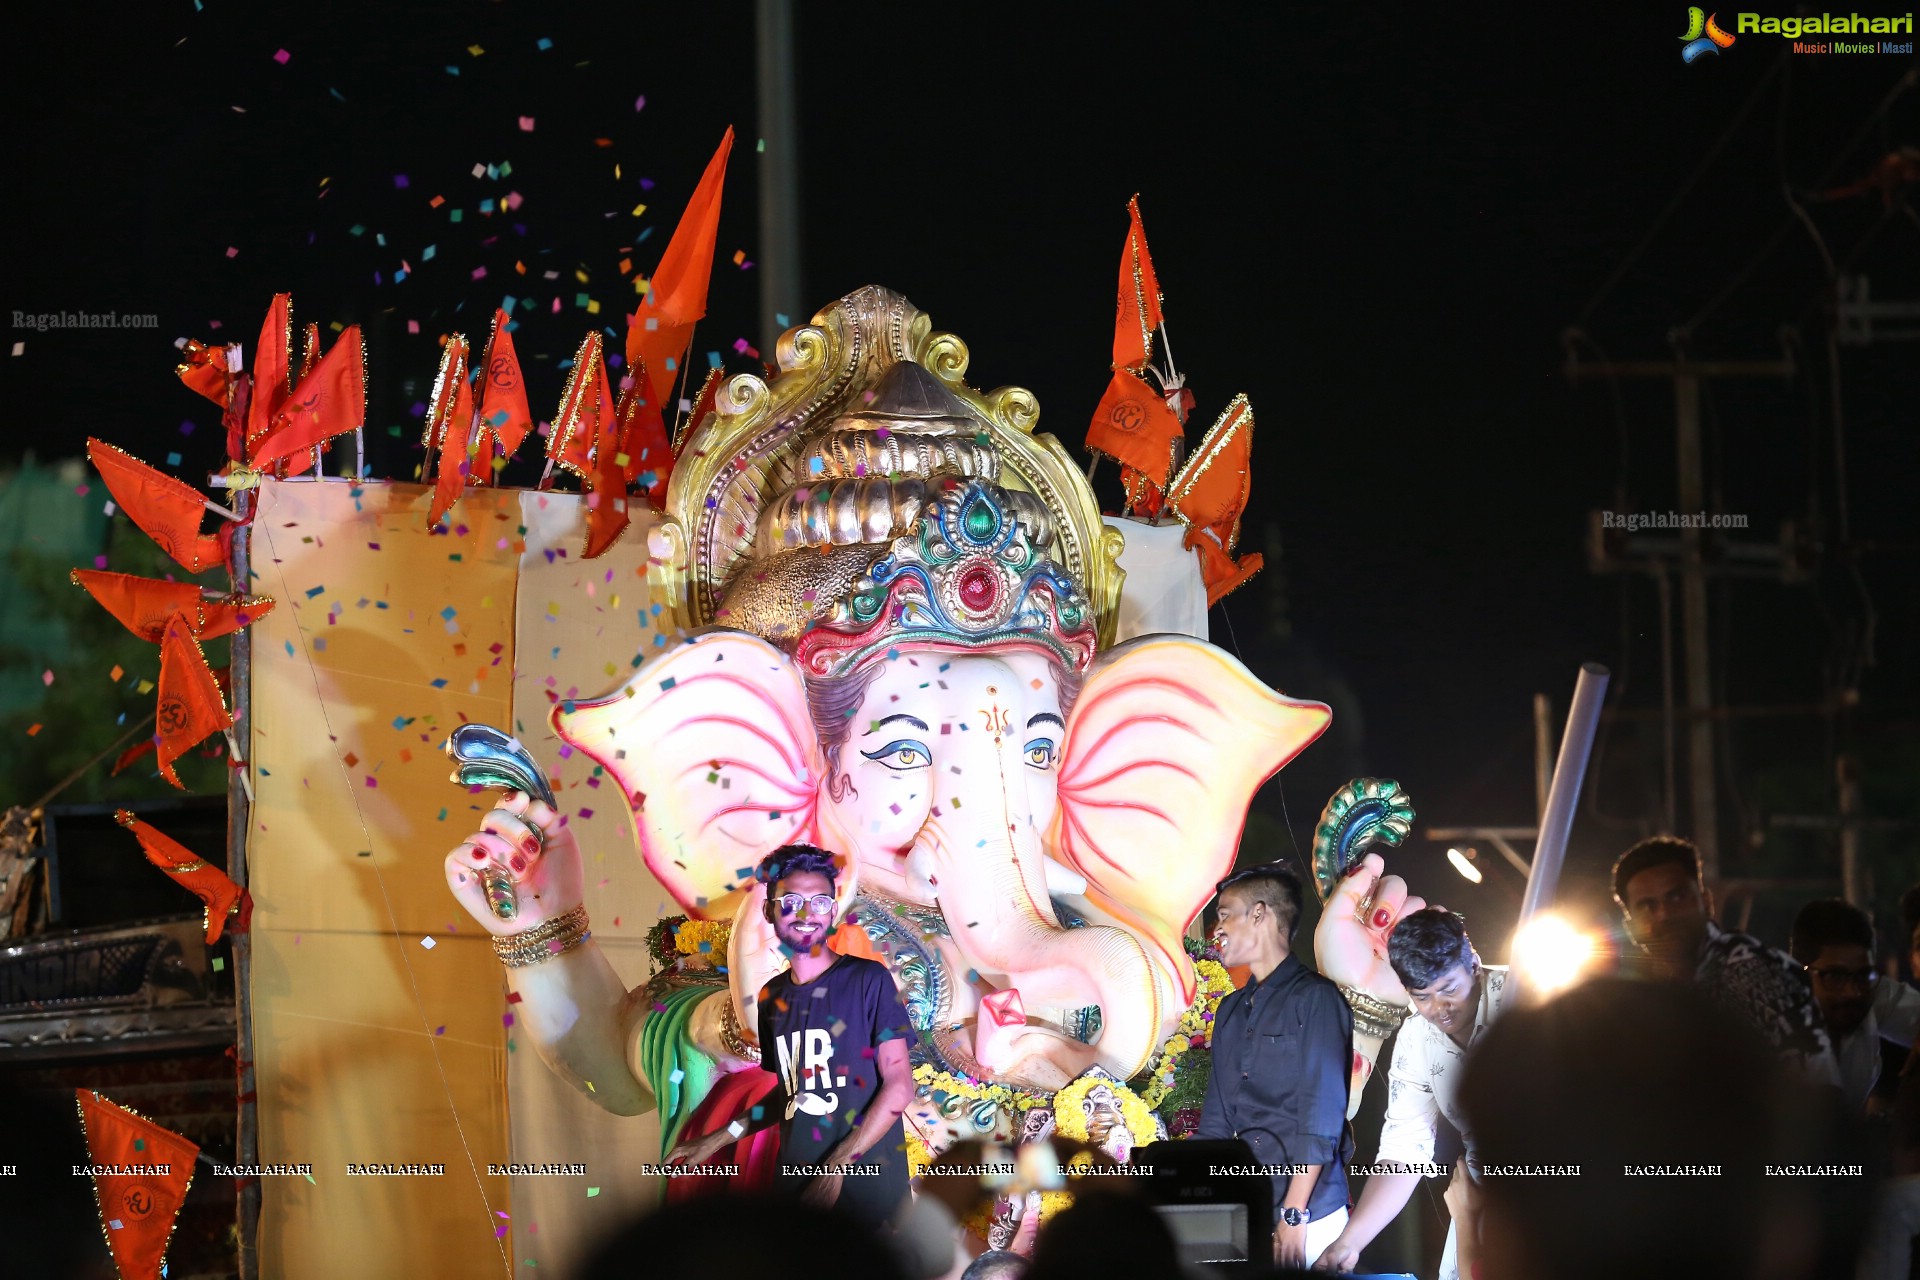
{"points": [[898, 600]]}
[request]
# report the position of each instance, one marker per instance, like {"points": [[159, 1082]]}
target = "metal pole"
{"points": [[1693, 624], [1842, 518], [1576, 744], [779, 167], [1669, 790], [1851, 885], [239, 820], [1542, 754]]}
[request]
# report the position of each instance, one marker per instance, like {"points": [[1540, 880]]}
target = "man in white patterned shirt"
{"points": [[1834, 940], [1669, 915], [1455, 998]]}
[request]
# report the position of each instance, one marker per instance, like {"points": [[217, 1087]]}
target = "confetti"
{"points": [[428, 943], [283, 57]]}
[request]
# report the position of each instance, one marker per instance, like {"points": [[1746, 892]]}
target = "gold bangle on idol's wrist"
{"points": [[550, 938], [731, 1035], [1374, 1017]]}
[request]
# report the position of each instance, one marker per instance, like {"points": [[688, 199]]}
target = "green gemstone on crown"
{"points": [[979, 521]]}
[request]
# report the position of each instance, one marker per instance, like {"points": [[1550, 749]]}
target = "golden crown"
{"points": [[867, 494]]}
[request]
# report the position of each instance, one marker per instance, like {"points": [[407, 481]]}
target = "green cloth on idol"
{"points": [[679, 1074]]}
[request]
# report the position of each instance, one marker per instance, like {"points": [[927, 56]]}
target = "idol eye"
{"points": [[1039, 753], [902, 754]]}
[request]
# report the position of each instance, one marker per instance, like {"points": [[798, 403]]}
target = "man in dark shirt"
{"points": [[1282, 1053], [833, 1030]]}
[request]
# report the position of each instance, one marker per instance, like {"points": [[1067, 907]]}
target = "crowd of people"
{"points": [[1730, 1109]]}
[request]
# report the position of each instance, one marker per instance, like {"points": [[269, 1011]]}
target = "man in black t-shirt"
{"points": [[833, 1030]]}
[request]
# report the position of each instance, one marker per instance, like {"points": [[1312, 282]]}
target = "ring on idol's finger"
{"points": [[520, 831]]}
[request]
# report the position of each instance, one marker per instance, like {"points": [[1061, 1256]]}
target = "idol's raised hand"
{"points": [[1350, 944], [522, 840]]}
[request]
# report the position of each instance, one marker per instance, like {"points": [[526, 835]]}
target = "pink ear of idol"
{"points": [[712, 743], [1167, 744]]}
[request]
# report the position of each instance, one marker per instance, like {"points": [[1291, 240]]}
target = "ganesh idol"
{"points": [[899, 603]]}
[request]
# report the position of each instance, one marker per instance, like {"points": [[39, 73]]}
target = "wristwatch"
{"points": [[1295, 1217]]}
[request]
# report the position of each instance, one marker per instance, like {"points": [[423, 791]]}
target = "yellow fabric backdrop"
{"points": [[370, 1046]]}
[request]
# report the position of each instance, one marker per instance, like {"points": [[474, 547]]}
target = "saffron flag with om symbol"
{"points": [[141, 1177], [449, 428], [176, 616], [190, 709], [503, 396], [214, 887], [167, 510], [1134, 425], [330, 400], [584, 406], [272, 373]]}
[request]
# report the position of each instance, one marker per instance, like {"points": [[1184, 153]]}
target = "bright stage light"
{"points": [[1464, 866], [1551, 955]]}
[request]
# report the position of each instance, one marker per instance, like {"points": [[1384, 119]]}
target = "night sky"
{"points": [[1376, 220]]}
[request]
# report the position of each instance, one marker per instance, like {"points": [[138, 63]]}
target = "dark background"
{"points": [[1376, 220]]}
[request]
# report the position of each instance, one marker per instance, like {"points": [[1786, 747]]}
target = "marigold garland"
{"points": [[1070, 1112], [1195, 1031], [687, 939]]}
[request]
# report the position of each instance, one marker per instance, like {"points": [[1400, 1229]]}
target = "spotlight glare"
{"points": [[1551, 955], [1463, 866]]}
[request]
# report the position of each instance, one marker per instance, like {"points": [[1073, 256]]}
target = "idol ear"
{"points": [[1166, 745], [714, 747]]}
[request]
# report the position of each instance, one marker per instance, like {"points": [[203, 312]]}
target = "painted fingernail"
{"points": [[1381, 917], [479, 855], [1353, 870], [530, 844], [518, 863]]}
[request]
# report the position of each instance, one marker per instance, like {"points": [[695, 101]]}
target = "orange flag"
{"points": [[272, 372], [144, 606], [662, 327], [141, 1173], [1134, 425], [679, 285], [606, 492], [207, 370], [190, 708], [1144, 497], [1210, 494], [503, 394], [586, 410], [167, 510], [643, 439], [223, 898], [330, 400], [1137, 313], [449, 427], [1221, 573]]}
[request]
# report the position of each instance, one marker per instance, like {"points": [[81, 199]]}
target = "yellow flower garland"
{"points": [[691, 933], [1070, 1113], [1215, 983]]}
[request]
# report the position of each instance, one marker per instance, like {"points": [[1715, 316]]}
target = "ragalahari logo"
{"points": [[1703, 35]]}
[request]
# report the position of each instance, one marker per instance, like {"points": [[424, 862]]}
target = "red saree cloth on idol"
{"points": [[756, 1154]]}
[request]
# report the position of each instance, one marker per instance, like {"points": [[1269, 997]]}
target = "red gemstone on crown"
{"points": [[978, 589]]}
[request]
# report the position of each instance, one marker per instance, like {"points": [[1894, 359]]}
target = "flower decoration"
{"points": [[1070, 1112], [1194, 1031], [674, 939]]}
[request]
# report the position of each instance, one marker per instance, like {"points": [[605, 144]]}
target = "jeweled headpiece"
{"points": [[866, 497]]}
